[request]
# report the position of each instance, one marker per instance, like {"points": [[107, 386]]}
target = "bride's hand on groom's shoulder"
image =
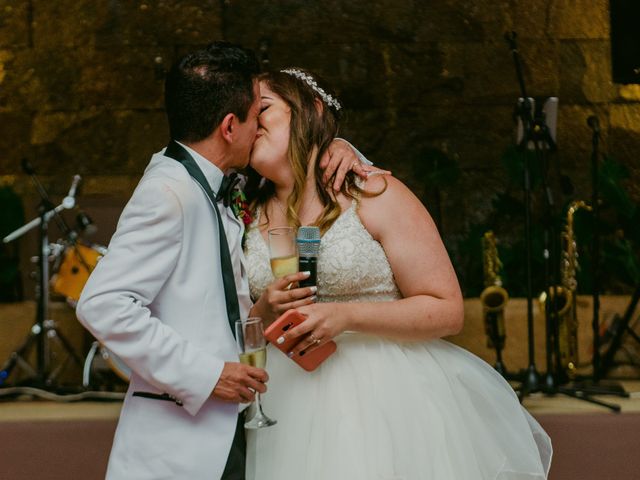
{"points": [[282, 295], [341, 158]]}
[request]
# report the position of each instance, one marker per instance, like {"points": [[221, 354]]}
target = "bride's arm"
{"points": [[432, 306]]}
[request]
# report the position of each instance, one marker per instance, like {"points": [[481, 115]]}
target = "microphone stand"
{"points": [[601, 366], [44, 329], [531, 381]]}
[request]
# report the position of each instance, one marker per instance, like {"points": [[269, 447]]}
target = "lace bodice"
{"points": [[352, 266]]}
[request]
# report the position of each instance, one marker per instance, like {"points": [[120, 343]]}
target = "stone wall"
{"points": [[81, 85]]}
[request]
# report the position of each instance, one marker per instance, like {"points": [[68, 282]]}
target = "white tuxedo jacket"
{"points": [[156, 300]]}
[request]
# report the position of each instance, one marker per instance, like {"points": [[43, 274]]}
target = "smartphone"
{"points": [[311, 359]]}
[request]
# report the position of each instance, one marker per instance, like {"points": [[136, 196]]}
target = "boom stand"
{"points": [[44, 331]]}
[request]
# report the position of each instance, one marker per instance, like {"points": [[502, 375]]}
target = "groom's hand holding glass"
{"points": [[238, 383]]}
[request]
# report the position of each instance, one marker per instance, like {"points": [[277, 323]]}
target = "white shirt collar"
{"points": [[212, 173]]}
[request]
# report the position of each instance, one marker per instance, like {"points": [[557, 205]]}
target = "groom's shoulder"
{"points": [[163, 174], [166, 171]]}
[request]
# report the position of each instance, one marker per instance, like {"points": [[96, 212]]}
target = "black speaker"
{"points": [[625, 40]]}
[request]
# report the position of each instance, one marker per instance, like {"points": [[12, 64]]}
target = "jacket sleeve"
{"points": [[114, 303]]}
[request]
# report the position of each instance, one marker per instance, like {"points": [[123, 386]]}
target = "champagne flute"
{"points": [[252, 347], [283, 251]]}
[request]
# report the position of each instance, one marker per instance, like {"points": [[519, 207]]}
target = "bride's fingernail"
{"points": [[314, 289], [314, 298], [306, 273], [290, 354], [280, 340]]}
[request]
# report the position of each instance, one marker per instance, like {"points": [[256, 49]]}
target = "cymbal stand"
{"points": [[44, 330]]}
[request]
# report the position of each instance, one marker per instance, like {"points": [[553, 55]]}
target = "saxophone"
{"points": [[565, 296], [494, 297]]}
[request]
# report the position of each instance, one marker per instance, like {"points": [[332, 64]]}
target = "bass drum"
{"points": [[101, 360]]}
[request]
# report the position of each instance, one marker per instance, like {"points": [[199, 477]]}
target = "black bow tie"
{"points": [[226, 189]]}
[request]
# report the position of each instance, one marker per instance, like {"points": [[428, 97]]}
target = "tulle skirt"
{"points": [[384, 410]]}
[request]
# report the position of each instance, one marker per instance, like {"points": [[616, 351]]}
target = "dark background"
{"points": [[429, 89]]}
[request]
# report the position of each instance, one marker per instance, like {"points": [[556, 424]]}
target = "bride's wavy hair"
{"points": [[313, 126]]}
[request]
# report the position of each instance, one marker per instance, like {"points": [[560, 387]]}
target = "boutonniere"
{"points": [[240, 207]]}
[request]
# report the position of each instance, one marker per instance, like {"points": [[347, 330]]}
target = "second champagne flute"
{"points": [[252, 348]]}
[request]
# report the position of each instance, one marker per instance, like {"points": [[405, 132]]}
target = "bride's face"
{"points": [[269, 155]]}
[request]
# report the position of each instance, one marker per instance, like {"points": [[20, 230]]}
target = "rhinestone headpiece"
{"points": [[309, 80]]}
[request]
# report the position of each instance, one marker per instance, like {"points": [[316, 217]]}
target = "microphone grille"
{"points": [[308, 241]]}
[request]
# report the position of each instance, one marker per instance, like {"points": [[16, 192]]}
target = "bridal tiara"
{"points": [[309, 80]]}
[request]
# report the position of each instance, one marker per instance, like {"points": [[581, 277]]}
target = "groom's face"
{"points": [[246, 131]]}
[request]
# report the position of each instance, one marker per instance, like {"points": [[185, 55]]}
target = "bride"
{"points": [[395, 401]]}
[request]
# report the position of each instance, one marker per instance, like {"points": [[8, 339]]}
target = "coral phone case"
{"points": [[310, 360]]}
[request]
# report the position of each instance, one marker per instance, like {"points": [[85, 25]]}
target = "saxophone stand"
{"points": [[44, 331], [498, 343]]}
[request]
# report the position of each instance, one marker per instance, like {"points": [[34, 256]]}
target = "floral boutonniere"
{"points": [[240, 207]]}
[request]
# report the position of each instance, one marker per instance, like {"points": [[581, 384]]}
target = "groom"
{"points": [[165, 296]]}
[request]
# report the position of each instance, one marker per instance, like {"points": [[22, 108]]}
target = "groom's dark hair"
{"points": [[203, 87]]}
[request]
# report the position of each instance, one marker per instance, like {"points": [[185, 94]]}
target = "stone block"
{"points": [[455, 21], [86, 23], [95, 142], [585, 72], [624, 141], [491, 72], [629, 92], [579, 19], [385, 75], [309, 23], [123, 78], [73, 79], [14, 23], [530, 20], [14, 141]]}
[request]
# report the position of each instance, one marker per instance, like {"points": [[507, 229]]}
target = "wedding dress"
{"points": [[379, 409]]}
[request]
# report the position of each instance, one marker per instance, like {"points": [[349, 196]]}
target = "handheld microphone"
{"points": [[308, 250], [594, 123]]}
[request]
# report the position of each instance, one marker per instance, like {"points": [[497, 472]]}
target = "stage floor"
{"points": [[538, 404], [51, 440]]}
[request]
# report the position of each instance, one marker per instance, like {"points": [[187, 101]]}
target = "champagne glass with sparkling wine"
{"points": [[283, 251], [252, 347]]}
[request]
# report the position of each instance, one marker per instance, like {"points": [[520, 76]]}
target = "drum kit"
{"points": [[71, 260]]}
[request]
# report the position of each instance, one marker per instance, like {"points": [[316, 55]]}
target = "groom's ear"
{"points": [[227, 126]]}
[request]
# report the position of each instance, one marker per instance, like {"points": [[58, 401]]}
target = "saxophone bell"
{"points": [[494, 297], [493, 300]]}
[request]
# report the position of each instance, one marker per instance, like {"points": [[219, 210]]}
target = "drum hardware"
{"points": [[44, 331], [99, 356]]}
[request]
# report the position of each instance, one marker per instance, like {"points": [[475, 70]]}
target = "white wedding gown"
{"points": [[379, 409]]}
